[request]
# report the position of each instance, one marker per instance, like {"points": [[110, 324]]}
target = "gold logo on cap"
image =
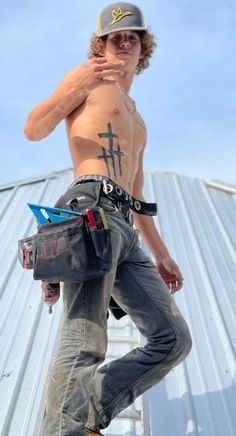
{"points": [[118, 14]]}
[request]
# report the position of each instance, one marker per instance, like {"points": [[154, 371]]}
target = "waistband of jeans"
{"points": [[111, 190]]}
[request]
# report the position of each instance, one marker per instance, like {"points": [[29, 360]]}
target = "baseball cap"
{"points": [[120, 16]]}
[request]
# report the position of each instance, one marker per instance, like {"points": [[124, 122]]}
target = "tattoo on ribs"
{"points": [[111, 153]]}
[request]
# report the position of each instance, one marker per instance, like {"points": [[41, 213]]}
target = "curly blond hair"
{"points": [[148, 45]]}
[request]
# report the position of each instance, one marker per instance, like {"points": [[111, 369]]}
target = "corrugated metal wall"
{"points": [[197, 222]]}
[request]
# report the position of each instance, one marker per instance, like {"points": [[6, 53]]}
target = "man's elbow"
{"points": [[33, 134]]}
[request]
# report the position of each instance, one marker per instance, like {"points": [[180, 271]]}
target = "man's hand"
{"points": [[71, 92], [170, 273], [92, 74]]}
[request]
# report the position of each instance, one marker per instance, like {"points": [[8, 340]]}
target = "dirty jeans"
{"points": [[79, 393]]}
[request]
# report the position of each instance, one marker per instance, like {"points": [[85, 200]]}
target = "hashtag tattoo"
{"points": [[111, 153]]}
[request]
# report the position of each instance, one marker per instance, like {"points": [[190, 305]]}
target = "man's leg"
{"points": [[82, 347], [84, 335], [141, 292]]}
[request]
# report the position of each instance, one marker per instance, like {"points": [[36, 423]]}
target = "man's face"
{"points": [[125, 46]]}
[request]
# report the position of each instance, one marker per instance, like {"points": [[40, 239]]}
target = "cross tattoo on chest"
{"points": [[111, 153]]}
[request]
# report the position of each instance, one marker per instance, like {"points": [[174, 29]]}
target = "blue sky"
{"points": [[187, 97]]}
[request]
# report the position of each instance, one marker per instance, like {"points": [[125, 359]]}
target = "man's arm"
{"points": [[149, 233], [71, 92], [43, 119]]}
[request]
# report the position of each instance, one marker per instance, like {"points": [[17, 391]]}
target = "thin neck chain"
{"points": [[131, 111]]}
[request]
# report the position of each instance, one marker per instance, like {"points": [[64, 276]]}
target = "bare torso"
{"points": [[105, 138]]}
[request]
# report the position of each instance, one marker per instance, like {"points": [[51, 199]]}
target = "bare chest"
{"points": [[113, 106]]}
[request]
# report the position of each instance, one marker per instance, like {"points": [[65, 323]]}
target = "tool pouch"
{"points": [[68, 251]]}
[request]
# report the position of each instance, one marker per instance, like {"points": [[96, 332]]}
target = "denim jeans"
{"points": [[79, 394]]}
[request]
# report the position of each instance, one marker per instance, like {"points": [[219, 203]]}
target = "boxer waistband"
{"points": [[113, 191]]}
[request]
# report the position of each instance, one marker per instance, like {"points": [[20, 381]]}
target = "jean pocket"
{"points": [[108, 206]]}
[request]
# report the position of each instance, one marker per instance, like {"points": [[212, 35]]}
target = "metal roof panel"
{"points": [[196, 220]]}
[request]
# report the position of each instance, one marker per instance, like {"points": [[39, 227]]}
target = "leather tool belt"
{"points": [[113, 191]]}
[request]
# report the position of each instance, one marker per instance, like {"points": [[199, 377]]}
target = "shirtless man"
{"points": [[107, 138]]}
